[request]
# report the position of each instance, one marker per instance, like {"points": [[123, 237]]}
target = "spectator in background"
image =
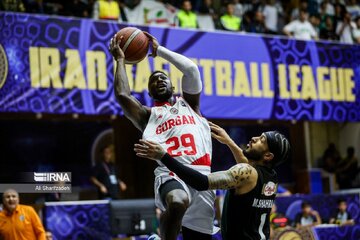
{"points": [[253, 22], [34, 6], [301, 29], [186, 18], [328, 31], [342, 216], [238, 8], [278, 221], [271, 13], [295, 14], [229, 21], [307, 217], [104, 176], [107, 10], [329, 8], [356, 31], [330, 158], [340, 11], [75, 8], [315, 22], [207, 8], [347, 169], [353, 8], [345, 29], [12, 5], [19, 221]]}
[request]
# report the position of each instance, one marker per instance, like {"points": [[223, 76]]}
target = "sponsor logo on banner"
{"points": [[3, 66]]}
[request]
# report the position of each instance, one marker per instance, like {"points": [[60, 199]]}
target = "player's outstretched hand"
{"points": [[155, 44], [219, 133], [115, 49], [149, 149]]}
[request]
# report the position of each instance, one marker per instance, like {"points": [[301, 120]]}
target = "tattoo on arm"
{"points": [[232, 178]]}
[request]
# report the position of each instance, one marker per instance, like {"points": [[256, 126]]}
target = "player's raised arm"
{"points": [[220, 134], [238, 176], [191, 82], [133, 109]]}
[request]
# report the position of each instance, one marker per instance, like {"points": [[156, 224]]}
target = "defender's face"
{"points": [[10, 200], [160, 87], [256, 148]]}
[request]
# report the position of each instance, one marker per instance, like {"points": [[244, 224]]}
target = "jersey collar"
{"points": [[159, 104]]}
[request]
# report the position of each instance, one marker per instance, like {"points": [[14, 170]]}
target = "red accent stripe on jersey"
{"points": [[203, 161], [159, 104], [171, 174]]}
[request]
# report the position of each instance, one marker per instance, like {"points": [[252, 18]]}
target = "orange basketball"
{"points": [[134, 43]]}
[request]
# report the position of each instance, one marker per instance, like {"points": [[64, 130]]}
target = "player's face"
{"points": [[10, 200], [256, 148], [160, 87]]}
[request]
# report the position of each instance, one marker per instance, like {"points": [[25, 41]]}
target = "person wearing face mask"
{"points": [[17, 221]]}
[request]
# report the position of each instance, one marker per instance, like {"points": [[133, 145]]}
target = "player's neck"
{"points": [[169, 102]]}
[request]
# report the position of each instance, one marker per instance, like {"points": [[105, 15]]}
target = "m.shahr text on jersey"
{"points": [[263, 203], [170, 123]]}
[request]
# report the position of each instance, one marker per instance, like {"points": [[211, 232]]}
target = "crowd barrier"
{"points": [[91, 219]]}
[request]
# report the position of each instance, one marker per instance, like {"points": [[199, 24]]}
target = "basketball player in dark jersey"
{"points": [[251, 183]]}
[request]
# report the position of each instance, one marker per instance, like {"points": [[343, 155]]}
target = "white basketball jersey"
{"points": [[182, 133]]}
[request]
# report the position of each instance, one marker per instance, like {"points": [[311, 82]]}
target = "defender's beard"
{"points": [[252, 155]]}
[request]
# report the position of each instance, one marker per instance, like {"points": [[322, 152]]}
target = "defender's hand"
{"points": [[155, 44], [148, 149], [219, 133], [115, 49]]}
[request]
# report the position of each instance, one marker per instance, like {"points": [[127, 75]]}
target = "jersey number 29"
{"points": [[186, 141]]}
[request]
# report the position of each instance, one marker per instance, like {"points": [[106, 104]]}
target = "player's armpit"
{"points": [[235, 177]]}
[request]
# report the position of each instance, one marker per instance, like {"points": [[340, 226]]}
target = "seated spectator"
{"points": [[329, 7], [344, 29], [229, 21], [238, 8], [295, 13], [356, 31], [271, 13], [107, 10], [307, 217], [75, 8], [301, 29], [342, 216], [253, 23], [330, 158], [315, 22], [186, 18], [340, 11], [353, 8], [19, 221], [328, 32], [278, 222], [347, 169]]}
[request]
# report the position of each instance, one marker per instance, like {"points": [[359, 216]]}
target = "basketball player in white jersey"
{"points": [[177, 125]]}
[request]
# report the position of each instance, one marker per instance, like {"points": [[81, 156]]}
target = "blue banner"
{"points": [[62, 65]]}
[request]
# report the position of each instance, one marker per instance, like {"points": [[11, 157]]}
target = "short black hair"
{"points": [[155, 72], [305, 204], [341, 200]]}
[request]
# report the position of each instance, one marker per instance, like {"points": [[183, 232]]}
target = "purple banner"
{"points": [[62, 66]]}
